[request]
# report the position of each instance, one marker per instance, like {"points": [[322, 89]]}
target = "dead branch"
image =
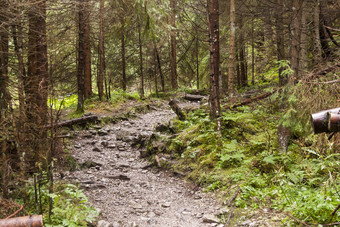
{"points": [[250, 100], [321, 72], [75, 121], [16, 212]]}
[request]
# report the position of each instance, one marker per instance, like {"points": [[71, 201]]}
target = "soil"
{"points": [[126, 189], [131, 192]]}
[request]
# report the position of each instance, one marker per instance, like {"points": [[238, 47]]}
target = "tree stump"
{"points": [[174, 106]]}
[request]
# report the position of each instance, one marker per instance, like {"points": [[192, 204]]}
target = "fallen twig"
{"points": [[234, 196]]}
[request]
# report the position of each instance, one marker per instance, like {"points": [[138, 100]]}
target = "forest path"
{"points": [[124, 187]]}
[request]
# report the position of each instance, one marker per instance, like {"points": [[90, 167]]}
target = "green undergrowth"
{"points": [[301, 182], [70, 206]]}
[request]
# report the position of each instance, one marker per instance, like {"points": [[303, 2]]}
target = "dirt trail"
{"points": [[124, 187]]}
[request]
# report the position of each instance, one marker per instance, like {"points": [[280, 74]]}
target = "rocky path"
{"points": [[126, 189]]}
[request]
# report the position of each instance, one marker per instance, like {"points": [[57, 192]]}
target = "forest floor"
{"points": [[129, 191]]}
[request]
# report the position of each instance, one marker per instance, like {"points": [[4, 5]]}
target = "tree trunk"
{"points": [[317, 52], [101, 73], [37, 83], [214, 65], [303, 64], [160, 69], [4, 93], [295, 40], [141, 59], [123, 54], [87, 50], [197, 61], [81, 61], [173, 45], [280, 40], [231, 67]]}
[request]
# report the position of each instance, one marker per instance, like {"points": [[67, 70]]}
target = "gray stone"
{"points": [[96, 149], [102, 133], [104, 143], [103, 223], [208, 218], [77, 146]]}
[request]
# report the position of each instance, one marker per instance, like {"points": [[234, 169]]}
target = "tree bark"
{"points": [[317, 52], [4, 79], [123, 53], [101, 73], [160, 69], [174, 106], [174, 83], [87, 50], [303, 64], [81, 60], [141, 59], [214, 65], [231, 67], [295, 41], [280, 42]]}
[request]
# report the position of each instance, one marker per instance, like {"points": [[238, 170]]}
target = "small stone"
{"points": [[210, 219], [111, 146], [121, 148], [96, 149], [166, 204], [77, 146], [102, 133], [104, 143], [103, 223]]}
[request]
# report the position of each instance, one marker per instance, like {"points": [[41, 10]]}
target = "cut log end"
{"points": [[326, 121]]}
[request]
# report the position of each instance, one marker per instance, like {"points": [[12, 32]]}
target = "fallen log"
{"points": [[193, 98], [250, 100], [320, 120], [75, 121], [27, 221], [174, 106]]}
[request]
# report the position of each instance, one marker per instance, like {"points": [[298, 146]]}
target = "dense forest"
{"points": [[221, 92]]}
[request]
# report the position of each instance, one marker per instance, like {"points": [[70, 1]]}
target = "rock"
{"points": [[121, 148], [77, 146], [162, 128], [104, 143], [102, 133], [88, 135], [121, 134], [90, 164], [208, 218], [93, 132], [96, 149], [103, 223], [97, 127], [166, 204], [127, 139], [111, 145]]}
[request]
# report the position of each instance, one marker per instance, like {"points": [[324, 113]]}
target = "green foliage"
{"points": [[70, 205], [302, 182]]}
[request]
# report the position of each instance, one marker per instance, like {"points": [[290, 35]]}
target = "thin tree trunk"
{"points": [[197, 61], [252, 47], [4, 93], [214, 40], [155, 71], [303, 64], [87, 50], [317, 52], [160, 69], [101, 73], [141, 59], [280, 40], [295, 40], [231, 67], [123, 54], [174, 83], [81, 60]]}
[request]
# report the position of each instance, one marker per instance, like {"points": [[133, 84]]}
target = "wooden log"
{"points": [[250, 100], [320, 120], [193, 98], [333, 122], [27, 221], [75, 121], [174, 106]]}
